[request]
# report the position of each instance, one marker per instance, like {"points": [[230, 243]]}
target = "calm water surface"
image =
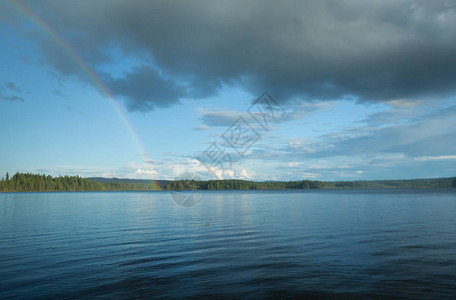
{"points": [[251, 244]]}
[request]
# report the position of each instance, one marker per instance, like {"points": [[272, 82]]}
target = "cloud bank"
{"points": [[397, 51]]}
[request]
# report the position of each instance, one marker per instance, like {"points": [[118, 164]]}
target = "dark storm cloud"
{"points": [[308, 50], [58, 93], [11, 98], [11, 89], [144, 89], [220, 118]]}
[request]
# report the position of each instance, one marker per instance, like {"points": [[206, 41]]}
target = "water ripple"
{"points": [[318, 244]]}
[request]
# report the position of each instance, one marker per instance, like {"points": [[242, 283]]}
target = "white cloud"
{"points": [[438, 157], [110, 175], [201, 128], [146, 172], [243, 175], [404, 103]]}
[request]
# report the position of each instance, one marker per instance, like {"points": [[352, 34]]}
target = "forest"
{"points": [[27, 182], [309, 184]]}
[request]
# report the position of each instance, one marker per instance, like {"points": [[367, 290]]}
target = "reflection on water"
{"points": [[327, 243]]}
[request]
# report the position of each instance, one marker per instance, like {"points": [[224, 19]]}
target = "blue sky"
{"points": [[359, 104]]}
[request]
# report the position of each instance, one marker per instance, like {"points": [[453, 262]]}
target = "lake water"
{"points": [[251, 244]]}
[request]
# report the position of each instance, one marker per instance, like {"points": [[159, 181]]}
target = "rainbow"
{"points": [[154, 185], [90, 74]]}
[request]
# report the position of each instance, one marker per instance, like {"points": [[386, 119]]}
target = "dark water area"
{"points": [[249, 244]]}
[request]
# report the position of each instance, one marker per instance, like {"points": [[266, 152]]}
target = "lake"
{"points": [[250, 244]]}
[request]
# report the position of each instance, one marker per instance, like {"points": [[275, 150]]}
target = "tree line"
{"points": [[28, 182], [308, 184]]}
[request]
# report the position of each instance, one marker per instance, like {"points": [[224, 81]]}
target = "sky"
{"points": [[355, 90]]}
